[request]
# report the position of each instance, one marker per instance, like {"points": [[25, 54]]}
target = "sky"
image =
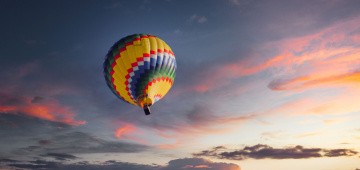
{"points": [[260, 84]]}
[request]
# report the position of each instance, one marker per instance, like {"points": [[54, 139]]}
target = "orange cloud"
{"points": [[124, 130], [223, 75], [329, 56], [196, 167], [308, 134], [310, 81], [129, 132], [334, 121], [49, 110]]}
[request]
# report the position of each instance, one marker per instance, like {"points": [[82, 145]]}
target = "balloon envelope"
{"points": [[140, 69]]}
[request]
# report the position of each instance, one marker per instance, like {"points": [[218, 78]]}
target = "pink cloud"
{"points": [[327, 54], [329, 57], [128, 131], [310, 81], [222, 75], [124, 130], [48, 109]]}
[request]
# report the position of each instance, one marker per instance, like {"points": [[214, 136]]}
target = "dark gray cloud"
{"points": [[5, 160], [198, 163], [261, 151], [177, 164], [44, 142], [37, 99], [31, 137], [37, 164], [80, 143], [21, 131], [108, 165], [339, 152], [60, 156]]}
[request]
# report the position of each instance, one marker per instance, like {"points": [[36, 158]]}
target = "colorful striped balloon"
{"points": [[140, 69]]}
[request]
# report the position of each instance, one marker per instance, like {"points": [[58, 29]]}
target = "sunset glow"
{"points": [[259, 85]]}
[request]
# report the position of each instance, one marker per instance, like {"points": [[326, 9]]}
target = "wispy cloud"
{"points": [[332, 121], [60, 156], [329, 57], [124, 130], [308, 134], [235, 2], [128, 131], [198, 19], [310, 81], [340, 103]]}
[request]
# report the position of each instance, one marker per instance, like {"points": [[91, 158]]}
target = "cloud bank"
{"points": [[261, 151], [177, 164]]}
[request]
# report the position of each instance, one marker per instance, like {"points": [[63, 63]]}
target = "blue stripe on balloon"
{"points": [[152, 63], [137, 75]]}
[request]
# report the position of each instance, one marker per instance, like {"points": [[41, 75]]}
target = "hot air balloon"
{"points": [[140, 69]]}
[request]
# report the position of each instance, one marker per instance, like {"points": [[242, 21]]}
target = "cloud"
{"points": [[219, 75], [38, 107], [8, 160], [338, 102], [308, 134], [197, 18], [129, 131], [37, 164], [177, 164], [309, 81], [335, 121], [261, 151], [339, 152], [124, 130], [235, 2], [81, 143], [60, 156], [37, 99], [199, 121], [272, 135], [22, 130], [44, 142], [202, 116], [198, 163], [327, 57], [33, 137]]}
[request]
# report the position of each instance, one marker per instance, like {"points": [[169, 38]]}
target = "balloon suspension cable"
{"points": [[147, 110]]}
